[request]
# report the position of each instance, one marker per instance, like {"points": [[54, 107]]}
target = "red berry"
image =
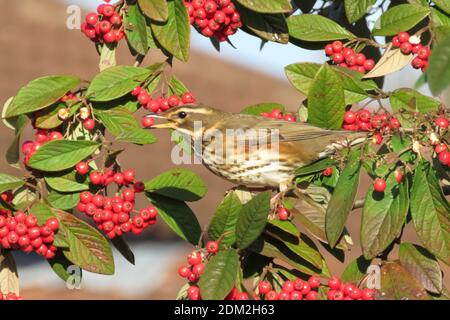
{"points": [[423, 53], [367, 294], [184, 271], [108, 10], [212, 247], [351, 60], [118, 178], [416, 48], [334, 283], [128, 194], [53, 224], [394, 123], [360, 59], [194, 258], [337, 46], [139, 186], [173, 101], [349, 117], [115, 19], [396, 42], [444, 157], [82, 168], [95, 178], [136, 91], [147, 121], [288, 286], [338, 58], [369, 64], [143, 97], [91, 18], [314, 282], [347, 52], [264, 287], [105, 26], [283, 214], [327, 172], [442, 122], [440, 148], [198, 3], [329, 49], [31, 221], [364, 115], [417, 63], [406, 48], [89, 124], [403, 37], [379, 185], [312, 295]]}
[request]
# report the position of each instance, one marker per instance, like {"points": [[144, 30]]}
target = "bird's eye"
{"points": [[182, 114]]}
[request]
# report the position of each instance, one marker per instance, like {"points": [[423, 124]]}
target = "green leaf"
{"points": [[155, 9], [312, 27], [286, 227], [398, 284], [439, 70], [122, 246], [41, 93], [439, 19], [412, 101], [115, 82], [8, 182], [223, 224], [341, 203], [63, 201], [271, 27], [400, 18], [107, 56], [87, 248], [60, 265], [9, 277], [174, 35], [177, 87], [137, 136], [422, 265], [430, 212], [301, 76], [315, 167], [59, 155], [252, 219], [67, 182], [326, 102], [443, 4], [356, 270], [273, 248], [383, 216], [220, 275], [356, 9], [136, 29], [178, 216], [13, 152], [179, 184], [257, 109], [274, 6]]}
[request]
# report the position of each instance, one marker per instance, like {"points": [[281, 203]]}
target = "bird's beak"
{"points": [[168, 125]]}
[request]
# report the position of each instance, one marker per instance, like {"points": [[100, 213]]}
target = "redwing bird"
{"points": [[260, 162]]}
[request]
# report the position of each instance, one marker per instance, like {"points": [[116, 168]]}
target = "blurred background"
{"points": [[34, 41]]}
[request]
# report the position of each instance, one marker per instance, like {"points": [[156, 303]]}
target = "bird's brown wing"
{"points": [[288, 131]]}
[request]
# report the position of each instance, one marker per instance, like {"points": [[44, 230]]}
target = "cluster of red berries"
{"points": [[124, 178], [214, 18], [278, 114], [22, 232], [443, 153], [348, 58], [364, 120], [84, 114], [403, 41], [160, 104], [195, 268], [299, 289], [10, 296], [113, 215], [103, 26], [42, 136], [379, 185]]}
